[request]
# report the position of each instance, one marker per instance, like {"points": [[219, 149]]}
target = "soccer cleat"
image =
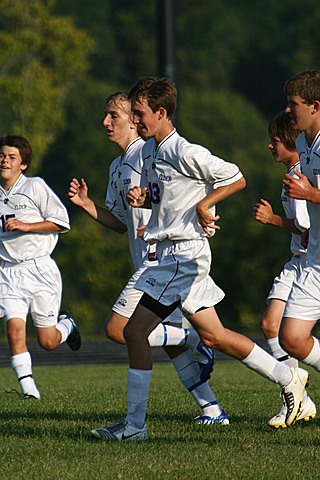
{"points": [[74, 338], [279, 420], [293, 394], [221, 419], [122, 430], [307, 412], [205, 357]]}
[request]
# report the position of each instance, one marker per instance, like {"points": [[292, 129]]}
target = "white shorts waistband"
{"points": [[5, 264]]}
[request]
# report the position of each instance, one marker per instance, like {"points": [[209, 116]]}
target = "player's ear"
{"points": [[162, 112], [316, 106], [23, 167]]}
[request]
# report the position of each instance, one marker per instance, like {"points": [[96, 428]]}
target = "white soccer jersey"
{"points": [[310, 166], [178, 175], [30, 200], [297, 210], [125, 173]]}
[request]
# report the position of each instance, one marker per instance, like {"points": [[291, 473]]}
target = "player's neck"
{"points": [[124, 142], [312, 132], [163, 132]]}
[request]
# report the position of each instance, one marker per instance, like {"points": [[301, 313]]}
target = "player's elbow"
{"points": [[242, 183]]}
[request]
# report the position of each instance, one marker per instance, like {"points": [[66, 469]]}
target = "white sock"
{"points": [[137, 395], [279, 354], [189, 374], [263, 363], [167, 335], [313, 358], [65, 327], [22, 366]]}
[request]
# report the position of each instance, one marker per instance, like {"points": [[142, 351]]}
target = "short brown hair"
{"points": [[21, 144], [305, 85], [158, 91], [280, 126]]}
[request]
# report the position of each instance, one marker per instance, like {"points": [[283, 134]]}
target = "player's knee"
{"points": [[289, 344], [132, 333], [114, 330], [269, 328], [211, 341], [47, 344]]}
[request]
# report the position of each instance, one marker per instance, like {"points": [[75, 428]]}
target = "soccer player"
{"points": [[182, 183], [296, 221], [32, 217], [302, 310], [190, 358]]}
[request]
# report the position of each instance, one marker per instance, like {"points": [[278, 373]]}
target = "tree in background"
{"points": [[41, 57]]}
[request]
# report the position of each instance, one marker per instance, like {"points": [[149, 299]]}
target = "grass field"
{"points": [[49, 439]]}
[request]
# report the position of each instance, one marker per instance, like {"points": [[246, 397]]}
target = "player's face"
{"points": [[10, 166], [117, 121], [300, 113], [280, 153], [145, 119]]}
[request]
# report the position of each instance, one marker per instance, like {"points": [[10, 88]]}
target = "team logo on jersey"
{"points": [[151, 281], [122, 302], [127, 181], [153, 166], [119, 173], [316, 171], [165, 178], [20, 207]]}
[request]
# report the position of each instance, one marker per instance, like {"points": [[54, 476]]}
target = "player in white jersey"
{"points": [[185, 182], [296, 222], [125, 172], [302, 310], [32, 217]]}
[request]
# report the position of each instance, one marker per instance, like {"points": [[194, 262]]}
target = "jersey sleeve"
{"points": [[205, 166], [112, 201], [50, 206]]}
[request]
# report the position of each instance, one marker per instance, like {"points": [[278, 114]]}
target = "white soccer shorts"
{"points": [[33, 287], [282, 284], [304, 299], [129, 298], [182, 275]]}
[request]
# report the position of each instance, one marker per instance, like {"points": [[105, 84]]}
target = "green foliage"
{"points": [[41, 56], [51, 438]]}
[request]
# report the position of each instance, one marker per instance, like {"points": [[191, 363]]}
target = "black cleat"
{"points": [[74, 339]]}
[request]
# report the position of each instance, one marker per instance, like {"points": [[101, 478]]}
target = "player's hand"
{"points": [[136, 196], [78, 192], [141, 231], [15, 224], [207, 221], [299, 188], [262, 212]]}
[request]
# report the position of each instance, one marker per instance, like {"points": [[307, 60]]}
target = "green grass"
{"points": [[50, 439]]}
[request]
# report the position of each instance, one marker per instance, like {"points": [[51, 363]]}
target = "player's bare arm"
{"points": [[137, 197], [263, 213], [36, 227], [206, 219], [300, 188], [78, 195]]}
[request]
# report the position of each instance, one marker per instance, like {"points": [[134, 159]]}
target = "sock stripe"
{"points": [[284, 358], [196, 385], [25, 376], [210, 404]]}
